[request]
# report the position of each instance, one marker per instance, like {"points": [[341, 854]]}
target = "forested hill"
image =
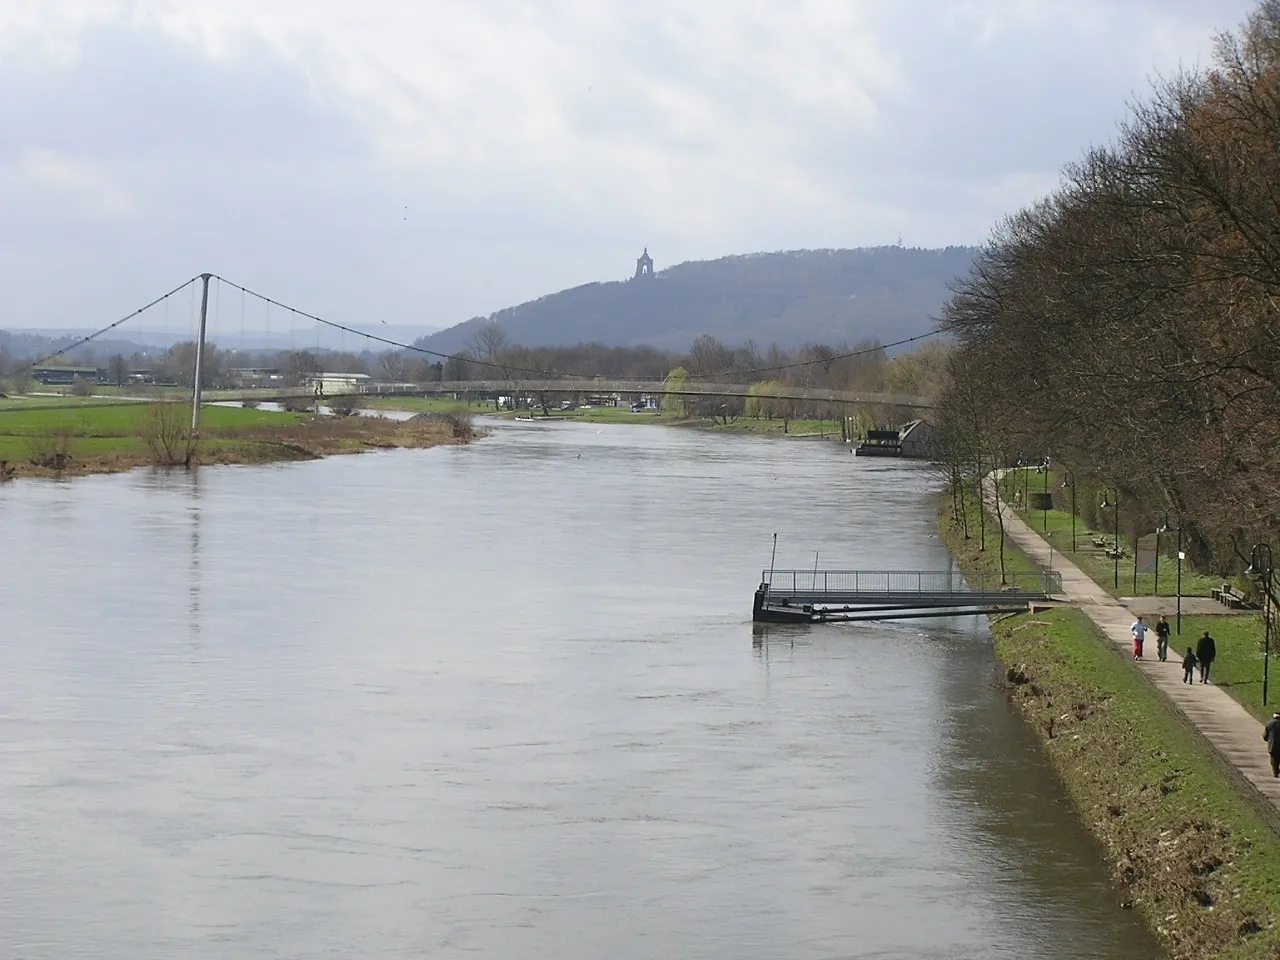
{"points": [[788, 299]]}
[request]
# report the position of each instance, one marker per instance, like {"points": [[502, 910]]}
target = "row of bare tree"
{"points": [[1127, 325]]}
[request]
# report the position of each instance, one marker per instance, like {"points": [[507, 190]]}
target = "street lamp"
{"points": [[1045, 505], [1261, 568], [1163, 528], [1115, 546], [1181, 556], [1070, 481]]}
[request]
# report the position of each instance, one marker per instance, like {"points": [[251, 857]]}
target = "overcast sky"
{"points": [[424, 161]]}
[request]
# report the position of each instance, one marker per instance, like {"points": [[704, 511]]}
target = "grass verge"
{"points": [[1187, 850], [107, 439]]}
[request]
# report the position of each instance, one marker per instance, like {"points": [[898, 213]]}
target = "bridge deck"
{"points": [[527, 387], [813, 594]]}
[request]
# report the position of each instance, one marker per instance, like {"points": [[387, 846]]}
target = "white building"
{"points": [[333, 384]]}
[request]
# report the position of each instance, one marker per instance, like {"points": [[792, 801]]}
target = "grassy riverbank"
{"points": [[78, 439], [1239, 634], [1187, 849]]}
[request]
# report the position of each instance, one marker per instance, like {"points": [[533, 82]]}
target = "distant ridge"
{"points": [[788, 298]]}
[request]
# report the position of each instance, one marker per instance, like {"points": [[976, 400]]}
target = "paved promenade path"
{"points": [[1235, 734]]}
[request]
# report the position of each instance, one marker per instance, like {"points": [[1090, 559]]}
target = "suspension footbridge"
{"points": [[503, 379]]}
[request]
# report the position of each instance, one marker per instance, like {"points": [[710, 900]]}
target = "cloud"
{"points": [[430, 161]]}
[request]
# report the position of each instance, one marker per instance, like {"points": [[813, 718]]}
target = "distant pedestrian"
{"points": [[1271, 734], [1139, 633], [1162, 639], [1189, 667], [1206, 650]]}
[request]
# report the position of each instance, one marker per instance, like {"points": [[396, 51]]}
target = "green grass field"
{"points": [[109, 429], [1238, 666], [35, 401]]}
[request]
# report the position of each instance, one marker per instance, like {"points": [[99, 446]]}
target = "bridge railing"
{"points": [[908, 582], [652, 388]]}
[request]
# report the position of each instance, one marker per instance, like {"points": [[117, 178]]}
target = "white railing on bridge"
{"points": [[653, 388], [908, 582]]}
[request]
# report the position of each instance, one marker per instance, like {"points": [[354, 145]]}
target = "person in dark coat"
{"points": [[1271, 734], [1206, 650], [1189, 667], [1162, 639]]}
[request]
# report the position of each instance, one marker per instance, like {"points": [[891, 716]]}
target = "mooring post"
{"points": [[773, 558], [204, 315]]}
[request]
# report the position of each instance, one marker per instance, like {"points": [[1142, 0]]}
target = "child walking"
{"points": [[1189, 667]]}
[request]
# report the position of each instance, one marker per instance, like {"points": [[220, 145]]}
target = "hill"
{"points": [[789, 299]]}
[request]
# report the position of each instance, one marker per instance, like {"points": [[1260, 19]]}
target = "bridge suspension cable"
{"points": [[111, 326], [505, 367], [863, 351]]}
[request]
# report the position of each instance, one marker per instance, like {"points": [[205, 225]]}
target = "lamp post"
{"points": [[1181, 557], [1135, 563], [1159, 530], [1045, 505], [1070, 481], [1115, 546], [1261, 568]]}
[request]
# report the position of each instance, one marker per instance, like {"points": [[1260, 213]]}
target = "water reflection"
{"points": [[502, 701]]}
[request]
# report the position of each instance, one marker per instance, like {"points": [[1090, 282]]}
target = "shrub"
{"points": [[51, 450], [166, 430], [344, 406], [297, 404], [461, 424], [82, 387]]}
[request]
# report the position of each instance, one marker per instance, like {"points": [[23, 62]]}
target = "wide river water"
{"points": [[505, 701]]}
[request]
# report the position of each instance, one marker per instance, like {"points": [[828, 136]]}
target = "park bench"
{"points": [[1230, 596], [1116, 554]]}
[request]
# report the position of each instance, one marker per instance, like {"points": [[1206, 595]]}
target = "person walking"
{"points": [[1139, 632], [1271, 734], [1206, 650], [1162, 638], [1189, 667]]}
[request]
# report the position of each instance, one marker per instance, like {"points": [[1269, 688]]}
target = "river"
{"points": [[505, 700]]}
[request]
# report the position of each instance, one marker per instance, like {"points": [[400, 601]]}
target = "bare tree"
{"points": [[393, 365], [165, 428], [489, 342]]}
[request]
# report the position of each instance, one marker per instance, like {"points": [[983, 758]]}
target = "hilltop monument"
{"points": [[644, 266]]}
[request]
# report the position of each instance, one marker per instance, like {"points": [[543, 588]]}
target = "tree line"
{"points": [[1127, 326]]}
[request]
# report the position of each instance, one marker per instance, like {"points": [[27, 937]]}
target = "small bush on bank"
{"points": [[51, 451], [461, 424], [166, 431], [82, 387], [344, 406]]}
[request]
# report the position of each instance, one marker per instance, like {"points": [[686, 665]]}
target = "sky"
{"points": [[420, 162]]}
